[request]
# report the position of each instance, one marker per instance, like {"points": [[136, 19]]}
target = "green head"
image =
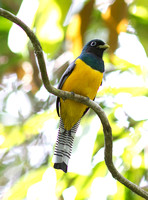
{"points": [[92, 54]]}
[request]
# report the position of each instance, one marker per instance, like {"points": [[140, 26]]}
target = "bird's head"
{"points": [[95, 47]]}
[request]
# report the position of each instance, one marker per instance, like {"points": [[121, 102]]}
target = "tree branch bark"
{"points": [[67, 95]]}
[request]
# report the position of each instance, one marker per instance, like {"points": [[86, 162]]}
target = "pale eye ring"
{"points": [[93, 44]]}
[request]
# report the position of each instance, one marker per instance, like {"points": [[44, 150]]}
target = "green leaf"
{"points": [[20, 188], [49, 24]]}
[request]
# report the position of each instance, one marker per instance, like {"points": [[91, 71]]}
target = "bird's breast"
{"points": [[84, 81]]}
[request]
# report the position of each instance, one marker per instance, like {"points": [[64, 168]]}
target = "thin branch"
{"points": [[78, 98]]}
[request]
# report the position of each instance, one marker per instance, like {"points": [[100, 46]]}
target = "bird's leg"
{"points": [[73, 94], [63, 98], [87, 98]]}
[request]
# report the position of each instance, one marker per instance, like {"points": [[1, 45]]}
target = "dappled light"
{"points": [[28, 119]]}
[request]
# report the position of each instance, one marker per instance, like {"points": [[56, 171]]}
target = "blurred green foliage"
{"points": [[28, 119]]}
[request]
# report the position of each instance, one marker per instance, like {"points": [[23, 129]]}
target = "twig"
{"points": [[78, 98]]}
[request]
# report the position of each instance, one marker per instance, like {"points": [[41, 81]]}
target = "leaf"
{"points": [[49, 24], [19, 190]]}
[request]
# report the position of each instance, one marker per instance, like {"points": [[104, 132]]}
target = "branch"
{"points": [[67, 95]]}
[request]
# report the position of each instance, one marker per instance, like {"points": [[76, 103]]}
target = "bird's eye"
{"points": [[93, 44]]}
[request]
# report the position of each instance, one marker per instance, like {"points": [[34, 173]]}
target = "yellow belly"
{"points": [[84, 81]]}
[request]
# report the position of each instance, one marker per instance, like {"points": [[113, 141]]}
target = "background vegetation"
{"points": [[28, 119]]}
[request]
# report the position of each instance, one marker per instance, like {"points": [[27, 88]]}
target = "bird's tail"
{"points": [[64, 146]]}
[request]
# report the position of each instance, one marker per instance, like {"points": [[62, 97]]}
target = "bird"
{"points": [[84, 77]]}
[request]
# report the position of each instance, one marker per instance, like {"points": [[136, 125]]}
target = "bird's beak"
{"points": [[104, 46]]}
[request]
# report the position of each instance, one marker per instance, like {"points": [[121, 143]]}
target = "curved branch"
{"points": [[67, 95]]}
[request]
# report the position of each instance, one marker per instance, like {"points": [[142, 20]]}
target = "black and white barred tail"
{"points": [[64, 146]]}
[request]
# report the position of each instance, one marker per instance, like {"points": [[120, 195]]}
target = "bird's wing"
{"points": [[62, 81]]}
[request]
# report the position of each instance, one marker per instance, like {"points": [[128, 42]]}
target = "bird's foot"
{"points": [[87, 98], [73, 94]]}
